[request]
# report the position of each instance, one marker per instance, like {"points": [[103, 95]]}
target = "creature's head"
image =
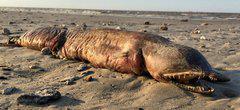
{"points": [[185, 67]]}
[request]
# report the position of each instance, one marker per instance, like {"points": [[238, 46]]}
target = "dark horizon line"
{"points": [[200, 12]]}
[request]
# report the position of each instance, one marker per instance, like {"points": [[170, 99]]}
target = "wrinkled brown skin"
{"points": [[128, 52], [39, 38]]}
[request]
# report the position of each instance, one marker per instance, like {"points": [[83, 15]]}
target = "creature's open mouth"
{"points": [[195, 85], [196, 81], [191, 81]]}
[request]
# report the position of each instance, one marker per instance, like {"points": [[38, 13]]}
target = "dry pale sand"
{"points": [[220, 44]]}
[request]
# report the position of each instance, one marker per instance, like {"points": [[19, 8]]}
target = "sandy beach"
{"points": [[215, 35]]}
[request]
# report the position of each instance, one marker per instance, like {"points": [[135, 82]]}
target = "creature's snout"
{"points": [[215, 76]]}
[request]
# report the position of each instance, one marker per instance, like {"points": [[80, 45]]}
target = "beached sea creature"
{"points": [[128, 52]]}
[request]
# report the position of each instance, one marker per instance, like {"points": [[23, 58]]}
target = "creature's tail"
{"points": [[12, 42]]}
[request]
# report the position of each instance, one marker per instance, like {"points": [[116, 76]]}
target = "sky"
{"points": [[144, 5]]}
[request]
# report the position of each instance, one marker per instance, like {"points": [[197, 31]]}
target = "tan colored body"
{"points": [[126, 52], [110, 49]]}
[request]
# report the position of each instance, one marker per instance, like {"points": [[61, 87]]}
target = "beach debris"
{"points": [[204, 24], [1, 84], [74, 24], [6, 31], [119, 28], [88, 12], [147, 23], [10, 91], [196, 31], [232, 50], [63, 26], [82, 67], [20, 29], [83, 74], [46, 51], [202, 38], [184, 20], [164, 27], [12, 22], [202, 46], [167, 24], [88, 78], [7, 73], [70, 80], [41, 97], [3, 78], [219, 29], [55, 25], [113, 86], [226, 45], [25, 19], [104, 24], [84, 26], [2, 65], [233, 30], [214, 30], [142, 30], [110, 23], [6, 69], [34, 67]]}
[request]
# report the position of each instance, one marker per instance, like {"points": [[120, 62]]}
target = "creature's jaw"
{"points": [[189, 80], [197, 86]]}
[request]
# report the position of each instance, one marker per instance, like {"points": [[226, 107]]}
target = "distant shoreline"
{"points": [[141, 11], [128, 13]]}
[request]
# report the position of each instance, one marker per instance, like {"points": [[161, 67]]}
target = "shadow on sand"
{"points": [[229, 89]]}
